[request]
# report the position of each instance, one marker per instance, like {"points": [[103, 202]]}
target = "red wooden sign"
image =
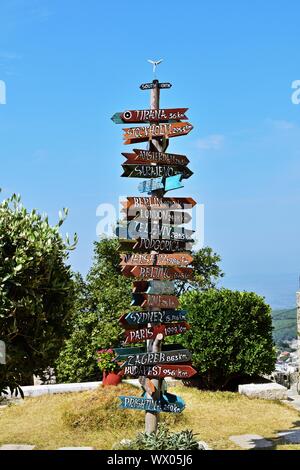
{"points": [[153, 202], [149, 259], [177, 371], [151, 115], [134, 135], [159, 272], [146, 157], [155, 301], [150, 332]]}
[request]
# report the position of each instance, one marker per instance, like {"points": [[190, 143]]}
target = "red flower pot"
{"points": [[111, 378]]}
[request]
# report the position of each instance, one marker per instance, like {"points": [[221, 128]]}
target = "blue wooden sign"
{"points": [[167, 184], [167, 403]]}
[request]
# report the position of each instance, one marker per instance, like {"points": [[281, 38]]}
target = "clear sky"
{"points": [[70, 65]]}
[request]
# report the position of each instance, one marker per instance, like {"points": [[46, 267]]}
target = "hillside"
{"points": [[285, 325]]}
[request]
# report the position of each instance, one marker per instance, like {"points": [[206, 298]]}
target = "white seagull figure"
{"points": [[155, 63]]}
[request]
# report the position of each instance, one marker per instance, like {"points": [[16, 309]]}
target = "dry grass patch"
{"points": [[94, 419]]}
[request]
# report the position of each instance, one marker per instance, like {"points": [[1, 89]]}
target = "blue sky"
{"points": [[69, 65]]}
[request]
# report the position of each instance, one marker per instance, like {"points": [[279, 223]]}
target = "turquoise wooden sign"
{"points": [[168, 403], [166, 184]]}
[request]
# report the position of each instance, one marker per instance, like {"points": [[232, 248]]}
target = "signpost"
{"points": [[156, 251], [150, 115], [150, 86], [162, 246], [133, 135], [152, 316], [149, 259], [159, 272], [148, 404], [155, 301], [160, 370], [167, 184], [147, 157], [154, 287], [154, 171], [154, 202], [163, 357], [150, 332]]}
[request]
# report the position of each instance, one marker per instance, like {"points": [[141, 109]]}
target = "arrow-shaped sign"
{"points": [[152, 316], [149, 86], [123, 353], [155, 202], [155, 301], [150, 259], [150, 332], [134, 135], [154, 287], [159, 272], [136, 229], [161, 370], [166, 216], [146, 157], [154, 171], [167, 184], [148, 404], [150, 115], [163, 357], [148, 244]]}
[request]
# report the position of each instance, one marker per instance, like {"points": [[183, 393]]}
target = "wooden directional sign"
{"points": [[167, 216], [148, 404], [149, 86], [154, 287], [160, 272], [142, 334], [163, 357], [155, 301], [150, 115], [161, 370], [162, 246], [152, 316], [155, 171], [133, 135], [146, 259], [140, 229], [123, 353], [154, 202], [167, 184], [146, 157]]}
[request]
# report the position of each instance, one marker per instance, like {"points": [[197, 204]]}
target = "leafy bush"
{"points": [[36, 292], [101, 300], [163, 439], [230, 335]]}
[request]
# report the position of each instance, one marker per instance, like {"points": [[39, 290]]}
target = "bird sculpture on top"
{"points": [[155, 63]]}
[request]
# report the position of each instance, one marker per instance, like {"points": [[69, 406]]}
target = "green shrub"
{"points": [[36, 292], [163, 439], [230, 335]]}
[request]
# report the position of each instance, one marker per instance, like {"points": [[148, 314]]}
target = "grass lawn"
{"points": [[94, 419]]}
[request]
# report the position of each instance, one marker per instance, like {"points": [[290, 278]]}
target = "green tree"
{"points": [[230, 335], [36, 291], [207, 271], [101, 300]]}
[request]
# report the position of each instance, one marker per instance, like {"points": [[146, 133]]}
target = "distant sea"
{"points": [[279, 290]]}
